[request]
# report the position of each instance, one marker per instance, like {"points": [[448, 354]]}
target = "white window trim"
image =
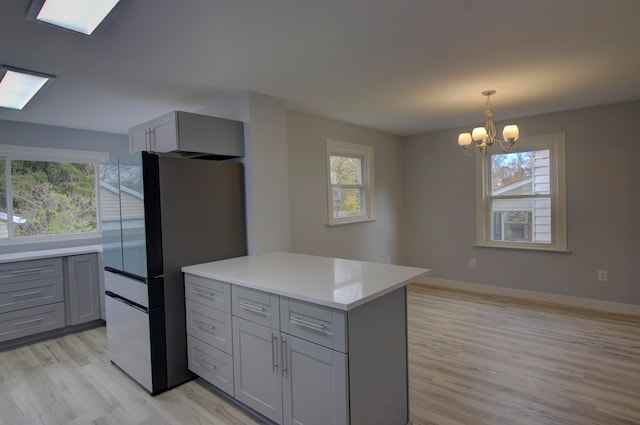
{"points": [[555, 142], [32, 153], [336, 147]]}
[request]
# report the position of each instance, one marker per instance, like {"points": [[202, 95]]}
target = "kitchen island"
{"points": [[302, 339]]}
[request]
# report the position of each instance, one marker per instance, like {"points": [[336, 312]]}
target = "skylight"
{"points": [[17, 86], [77, 15]]}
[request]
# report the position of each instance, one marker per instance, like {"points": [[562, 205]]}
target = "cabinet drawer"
{"points": [[209, 292], [211, 364], [319, 324], [32, 293], [30, 321], [209, 325], [21, 271], [256, 306]]}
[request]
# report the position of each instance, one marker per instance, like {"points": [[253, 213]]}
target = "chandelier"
{"points": [[486, 136]]}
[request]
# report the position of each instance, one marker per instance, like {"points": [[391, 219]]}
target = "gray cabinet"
{"points": [[189, 132], [31, 297], [257, 367], [209, 336], [83, 286], [282, 363], [47, 296], [314, 381]]}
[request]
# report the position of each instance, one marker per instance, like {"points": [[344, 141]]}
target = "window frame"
{"points": [[365, 153], [555, 143], [33, 153]]}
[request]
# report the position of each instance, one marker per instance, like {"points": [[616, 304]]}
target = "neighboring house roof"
{"points": [[517, 188], [16, 219]]}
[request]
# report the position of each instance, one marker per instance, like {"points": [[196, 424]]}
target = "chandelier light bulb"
{"points": [[464, 139]]}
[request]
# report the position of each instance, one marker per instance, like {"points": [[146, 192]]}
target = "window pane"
{"points": [[345, 169], [347, 202], [53, 198], [511, 173], [521, 220], [4, 233]]}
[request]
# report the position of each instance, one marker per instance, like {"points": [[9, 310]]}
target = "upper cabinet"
{"points": [[187, 132]]}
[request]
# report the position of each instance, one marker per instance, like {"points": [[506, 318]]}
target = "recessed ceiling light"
{"points": [[18, 86], [77, 15]]}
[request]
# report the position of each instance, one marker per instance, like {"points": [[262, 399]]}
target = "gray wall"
{"points": [[602, 202], [371, 241], [44, 136]]}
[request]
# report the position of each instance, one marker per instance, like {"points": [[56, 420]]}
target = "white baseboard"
{"points": [[606, 306]]}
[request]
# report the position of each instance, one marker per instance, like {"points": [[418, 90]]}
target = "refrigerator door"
{"points": [[140, 212], [109, 194]]}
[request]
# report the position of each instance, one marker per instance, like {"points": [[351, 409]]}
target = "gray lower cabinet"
{"points": [[287, 379], [83, 288], [43, 296], [314, 383], [281, 361], [257, 368]]}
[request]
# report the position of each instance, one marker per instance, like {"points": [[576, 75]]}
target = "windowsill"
{"points": [[523, 248], [340, 223]]}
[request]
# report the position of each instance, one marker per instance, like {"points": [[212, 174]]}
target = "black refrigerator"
{"points": [[159, 213]]}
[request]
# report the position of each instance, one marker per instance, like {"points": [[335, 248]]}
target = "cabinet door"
{"points": [[256, 367], [139, 138], [314, 380], [163, 133], [84, 288]]}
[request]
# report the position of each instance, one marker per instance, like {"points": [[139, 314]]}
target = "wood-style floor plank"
{"points": [[473, 359], [478, 359]]}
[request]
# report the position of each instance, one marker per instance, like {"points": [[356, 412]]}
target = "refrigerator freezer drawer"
{"points": [[126, 287], [128, 340]]}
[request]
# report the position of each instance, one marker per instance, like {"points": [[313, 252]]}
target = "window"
{"points": [[521, 200], [47, 193], [349, 182]]}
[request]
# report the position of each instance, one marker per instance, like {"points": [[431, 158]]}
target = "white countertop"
{"points": [[47, 253], [332, 282]]}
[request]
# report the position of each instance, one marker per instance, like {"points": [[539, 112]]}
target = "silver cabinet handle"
{"points": [[247, 306], [27, 322], [207, 364], [283, 356], [202, 324], [274, 339], [204, 293], [28, 294], [303, 322], [25, 271]]}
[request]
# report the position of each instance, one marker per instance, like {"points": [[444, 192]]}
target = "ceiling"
{"points": [[401, 66]]}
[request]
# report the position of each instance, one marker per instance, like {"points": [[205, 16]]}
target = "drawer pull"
{"points": [[202, 324], [207, 364], [28, 322], [26, 271], [203, 293], [28, 294], [303, 322], [250, 307]]}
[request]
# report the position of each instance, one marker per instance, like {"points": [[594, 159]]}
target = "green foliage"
{"points": [[53, 197]]}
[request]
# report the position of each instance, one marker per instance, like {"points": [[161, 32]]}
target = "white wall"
{"points": [[371, 241], [603, 206]]}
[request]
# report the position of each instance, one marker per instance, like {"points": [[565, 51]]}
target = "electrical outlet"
{"points": [[472, 262], [603, 275]]}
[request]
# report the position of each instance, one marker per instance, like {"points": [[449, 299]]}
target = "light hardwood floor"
{"points": [[477, 360], [474, 360]]}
